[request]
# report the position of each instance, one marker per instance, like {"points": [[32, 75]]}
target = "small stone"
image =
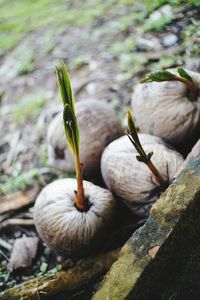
{"points": [[153, 251], [170, 40], [164, 11]]}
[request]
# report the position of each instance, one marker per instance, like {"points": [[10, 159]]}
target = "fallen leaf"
{"points": [[23, 252], [17, 200]]}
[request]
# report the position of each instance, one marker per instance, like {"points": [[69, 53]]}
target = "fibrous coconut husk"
{"points": [[64, 228], [168, 110], [98, 125], [131, 180]]}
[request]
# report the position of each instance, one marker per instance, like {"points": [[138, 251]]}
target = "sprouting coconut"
{"points": [[139, 184], [168, 105], [99, 125], [72, 215]]}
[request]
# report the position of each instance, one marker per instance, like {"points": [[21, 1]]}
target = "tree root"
{"points": [[84, 272]]}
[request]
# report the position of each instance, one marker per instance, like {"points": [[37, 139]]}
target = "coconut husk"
{"points": [[98, 125], [132, 180]]}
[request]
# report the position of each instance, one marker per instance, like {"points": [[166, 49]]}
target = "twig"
{"points": [[13, 148], [5, 245], [4, 255], [83, 273], [16, 222]]}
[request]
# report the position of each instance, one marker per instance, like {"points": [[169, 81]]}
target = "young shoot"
{"points": [[72, 131], [183, 77], [142, 156]]}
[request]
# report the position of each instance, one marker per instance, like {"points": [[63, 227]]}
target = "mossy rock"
{"points": [[162, 259]]}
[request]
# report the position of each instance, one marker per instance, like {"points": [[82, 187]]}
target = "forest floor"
{"points": [[108, 47]]}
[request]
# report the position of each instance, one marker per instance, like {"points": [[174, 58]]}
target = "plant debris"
{"points": [[23, 252], [17, 200]]}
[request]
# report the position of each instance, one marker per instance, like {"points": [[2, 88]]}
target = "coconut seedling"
{"points": [[98, 125], [72, 215], [167, 105], [138, 175]]}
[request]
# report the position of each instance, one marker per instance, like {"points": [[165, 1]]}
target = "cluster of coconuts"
{"points": [[167, 113], [65, 228]]}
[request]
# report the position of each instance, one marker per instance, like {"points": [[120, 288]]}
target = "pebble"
{"points": [[170, 40], [164, 11]]}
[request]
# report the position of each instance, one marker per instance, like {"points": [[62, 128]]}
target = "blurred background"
{"points": [[108, 47]]}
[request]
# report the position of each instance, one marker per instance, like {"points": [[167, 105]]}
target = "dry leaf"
{"points": [[23, 252], [17, 200]]}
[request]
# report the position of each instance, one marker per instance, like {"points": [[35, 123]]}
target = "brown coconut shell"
{"points": [[98, 125], [165, 109], [65, 229], [132, 180]]}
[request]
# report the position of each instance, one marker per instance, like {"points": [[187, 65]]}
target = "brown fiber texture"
{"points": [[64, 228], [164, 109], [132, 180], [98, 125]]}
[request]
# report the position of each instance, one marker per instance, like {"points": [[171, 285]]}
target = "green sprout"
{"points": [[43, 267], [142, 156], [72, 131], [165, 75]]}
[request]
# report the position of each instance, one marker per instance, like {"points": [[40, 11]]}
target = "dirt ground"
{"points": [[108, 47]]}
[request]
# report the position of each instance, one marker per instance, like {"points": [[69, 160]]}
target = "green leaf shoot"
{"points": [[143, 156], [133, 135], [159, 76], [69, 117], [141, 159], [71, 129], [184, 74], [43, 267], [131, 126], [65, 88]]}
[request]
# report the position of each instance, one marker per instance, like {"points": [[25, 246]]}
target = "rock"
{"points": [[170, 40], [164, 11], [162, 259], [195, 152]]}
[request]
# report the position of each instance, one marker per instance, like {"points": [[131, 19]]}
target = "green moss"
{"points": [[23, 180], [127, 45], [25, 63], [131, 63], [158, 24], [20, 181], [28, 108], [191, 36], [20, 17], [166, 62]]}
